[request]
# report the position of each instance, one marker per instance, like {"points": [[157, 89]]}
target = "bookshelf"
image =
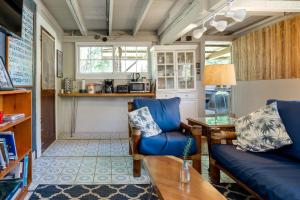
{"points": [[18, 101]]}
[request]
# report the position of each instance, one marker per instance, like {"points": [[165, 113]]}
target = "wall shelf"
{"points": [[77, 94]]}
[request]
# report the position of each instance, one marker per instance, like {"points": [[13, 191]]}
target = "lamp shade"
{"points": [[219, 74], [237, 15], [219, 25], [199, 32]]}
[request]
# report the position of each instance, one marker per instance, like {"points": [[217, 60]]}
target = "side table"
{"points": [[209, 125]]}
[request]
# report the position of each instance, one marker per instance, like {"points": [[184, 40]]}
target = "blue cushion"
{"points": [[171, 143], [289, 112], [165, 112], [268, 174]]}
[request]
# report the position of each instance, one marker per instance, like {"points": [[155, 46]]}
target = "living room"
{"points": [[149, 99]]}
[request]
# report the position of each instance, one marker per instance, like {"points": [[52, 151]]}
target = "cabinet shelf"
{"points": [[14, 92], [13, 163], [18, 101], [14, 123]]}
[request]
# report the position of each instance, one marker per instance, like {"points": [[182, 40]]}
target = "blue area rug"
{"points": [[121, 192]]}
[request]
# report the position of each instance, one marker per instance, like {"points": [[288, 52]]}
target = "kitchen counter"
{"points": [[77, 94], [96, 113]]}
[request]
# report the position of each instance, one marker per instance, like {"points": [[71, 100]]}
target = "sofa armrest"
{"points": [[223, 137]]}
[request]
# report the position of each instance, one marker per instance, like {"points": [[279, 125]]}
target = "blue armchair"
{"points": [[173, 138]]}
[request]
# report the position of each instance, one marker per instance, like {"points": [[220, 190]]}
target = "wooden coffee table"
{"points": [[164, 175]]}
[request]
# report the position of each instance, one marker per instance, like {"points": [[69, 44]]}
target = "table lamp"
{"points": [[220, 75]]}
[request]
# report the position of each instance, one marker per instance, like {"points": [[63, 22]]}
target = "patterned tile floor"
{"points": [[91, 162]]}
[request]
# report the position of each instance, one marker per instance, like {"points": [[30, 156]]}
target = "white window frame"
{"points": [[109, 75]]}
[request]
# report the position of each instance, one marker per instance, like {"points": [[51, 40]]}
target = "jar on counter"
{"points": [[91, 88]]}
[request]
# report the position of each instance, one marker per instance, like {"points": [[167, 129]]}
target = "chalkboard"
{"points": [[20, 52]]}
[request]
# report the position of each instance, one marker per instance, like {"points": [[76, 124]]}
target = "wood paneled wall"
{"points": [[272, 52]]}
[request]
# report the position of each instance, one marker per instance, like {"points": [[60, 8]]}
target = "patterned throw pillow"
{"points": [[142, 120], [261, 130]]}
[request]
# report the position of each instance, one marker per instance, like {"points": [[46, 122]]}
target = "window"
{"points": [[95, 59], [216, 53], [99, 61]]}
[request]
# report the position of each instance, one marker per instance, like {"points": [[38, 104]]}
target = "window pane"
{"points": [[90, 52], [103, 66], [142, 53], [107, 53], [113, 59], [95, 66], [131, 53], [142, 66], [129, 66]]}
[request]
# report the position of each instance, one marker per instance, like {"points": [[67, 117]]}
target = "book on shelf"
{"points": [[9, 189], [2, 162], [20, 171], [25, 170], [3, 149], [10, 143], [13, 117]]}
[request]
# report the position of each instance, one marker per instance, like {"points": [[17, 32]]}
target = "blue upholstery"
{"points": [[289, 112], [171, 143], [165, 112], [268, 174]]}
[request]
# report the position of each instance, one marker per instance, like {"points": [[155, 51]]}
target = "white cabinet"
{"points": [[175, 75]]}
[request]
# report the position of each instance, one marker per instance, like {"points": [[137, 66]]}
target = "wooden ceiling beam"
{"points": [[77, 15], [146, 6], [110, 15]]}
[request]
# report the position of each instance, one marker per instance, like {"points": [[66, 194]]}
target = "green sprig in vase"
{"points": [[184, 171]]}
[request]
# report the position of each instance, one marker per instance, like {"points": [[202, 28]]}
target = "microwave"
{"points": [[139, 86]]}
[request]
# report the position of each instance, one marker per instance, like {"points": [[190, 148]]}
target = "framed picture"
{"points": [[5, 81], [59, 63]]}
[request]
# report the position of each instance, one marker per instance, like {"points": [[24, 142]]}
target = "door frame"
{"points": [[41, 85]]}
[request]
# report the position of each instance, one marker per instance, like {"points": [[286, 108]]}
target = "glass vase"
{"points": [[185, 172]]}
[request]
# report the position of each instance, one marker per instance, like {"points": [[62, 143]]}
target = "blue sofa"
{"points": [[171, 141], [273, 175]]}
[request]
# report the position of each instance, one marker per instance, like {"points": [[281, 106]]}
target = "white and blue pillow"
{"points": [[142, 120], [261, 130]]}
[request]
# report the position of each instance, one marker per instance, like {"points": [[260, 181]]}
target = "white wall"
{"points": [[251, 95], [44, 19]]}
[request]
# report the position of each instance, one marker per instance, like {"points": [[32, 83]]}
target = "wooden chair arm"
{"points": [[135, 139], [195, 131], [223, 137]]}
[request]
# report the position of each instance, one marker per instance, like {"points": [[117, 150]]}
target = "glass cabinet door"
{"points": [[165, 70], [186, 72]]}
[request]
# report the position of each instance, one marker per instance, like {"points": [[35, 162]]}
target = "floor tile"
{"points": [[103, 171], [66, 179], [119, 170], [54, 170], [143, 179], [103, 179], [86, 170], [84, 178], [70, 171], [120, 179], [49, 179]]}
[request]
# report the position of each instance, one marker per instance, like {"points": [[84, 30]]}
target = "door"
{"points": [[48, 134]]}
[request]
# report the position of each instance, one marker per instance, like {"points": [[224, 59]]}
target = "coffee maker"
{"points": [[109, 86]]}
